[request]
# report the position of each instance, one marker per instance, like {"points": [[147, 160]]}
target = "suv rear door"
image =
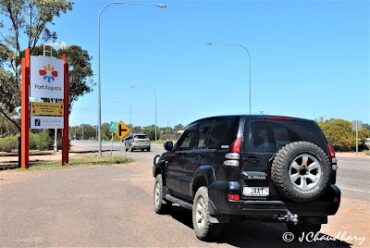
{"points": [[264, 137], [223, 133]]}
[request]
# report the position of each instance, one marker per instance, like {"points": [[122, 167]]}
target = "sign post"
{"points": [[122, 131], [44, 77], [25, 127], [356, 126], [112, 130], [65, 131]]}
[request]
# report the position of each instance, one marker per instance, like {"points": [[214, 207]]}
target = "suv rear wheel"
{"points": [[203, 228]]}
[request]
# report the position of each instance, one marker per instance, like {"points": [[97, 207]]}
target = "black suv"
{"points": [[270, 168]]}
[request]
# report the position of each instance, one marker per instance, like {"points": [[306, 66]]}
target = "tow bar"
{"points": [[289, 217]]}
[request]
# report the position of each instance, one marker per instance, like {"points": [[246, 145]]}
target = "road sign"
{"points": [[47, 109], [356, 125], [112, 126], [46, 122], [122, 130], [47, 77]]}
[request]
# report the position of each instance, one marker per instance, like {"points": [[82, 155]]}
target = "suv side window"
{"points": [[186, 140], [201, 139], [223, 133]]}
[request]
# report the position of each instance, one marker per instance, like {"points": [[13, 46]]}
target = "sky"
{"points": [[310, 59]]}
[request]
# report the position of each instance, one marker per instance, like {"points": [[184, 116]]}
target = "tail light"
{"points": [[331, 151], [233, 197], [279, 118], [334, 165], [236, 146], [336, 199], [232, 158]]}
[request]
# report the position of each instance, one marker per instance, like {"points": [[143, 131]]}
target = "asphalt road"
{"points": [[353, 177], [112, 206]]}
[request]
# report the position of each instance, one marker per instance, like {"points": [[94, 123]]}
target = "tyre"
{"points": [[160, 205], [156, 159], [148, 149], [305, 228], [132, 149], [301, 171], [142, 150], [204, 230]]}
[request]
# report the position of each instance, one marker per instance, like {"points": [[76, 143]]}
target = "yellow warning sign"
{"points": [[122, 130], [47, 109]]}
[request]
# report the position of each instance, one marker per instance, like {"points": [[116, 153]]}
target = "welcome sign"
{"points": [[47, 77]]}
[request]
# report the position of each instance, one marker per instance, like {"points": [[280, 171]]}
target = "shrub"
{"points": [[38, 141], [9, 143], [42, 140]]}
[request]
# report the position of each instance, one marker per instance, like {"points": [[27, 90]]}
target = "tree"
{"points": [[340, 135], [179, 127], [6, 127], [84, 131], [9, 91], [150, 131], [106, 135], [30, 21], [136, 129]]}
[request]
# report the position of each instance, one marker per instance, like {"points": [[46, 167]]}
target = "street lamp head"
{"points": [[63, 45], [161, 5]]}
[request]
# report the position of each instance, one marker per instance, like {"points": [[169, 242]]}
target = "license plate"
{"points": [[255, 191]]}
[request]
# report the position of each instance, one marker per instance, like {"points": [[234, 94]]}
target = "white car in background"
{"points": [[137, 142], [367, 143]]}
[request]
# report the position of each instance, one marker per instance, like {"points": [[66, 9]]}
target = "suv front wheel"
{"points": [[160, 205], [203, 228]]}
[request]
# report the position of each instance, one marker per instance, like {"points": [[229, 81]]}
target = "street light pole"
{"points": [[159, 5], [250, 67], [155, 106]]}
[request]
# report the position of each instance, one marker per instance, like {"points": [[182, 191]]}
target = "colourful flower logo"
{"points": [[48, 73]]}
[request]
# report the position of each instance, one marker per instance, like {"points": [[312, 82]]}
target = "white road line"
{"points": [[354, 189], [351, 161]]}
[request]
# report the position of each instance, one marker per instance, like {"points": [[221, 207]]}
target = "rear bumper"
{"points": [[141, 146], [264, 208]]}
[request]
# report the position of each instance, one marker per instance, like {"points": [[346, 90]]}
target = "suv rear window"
{"points": [[269, 136], [141, 136]]}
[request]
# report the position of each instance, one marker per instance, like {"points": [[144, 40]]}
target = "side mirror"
{"points": [[168, 145]]}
